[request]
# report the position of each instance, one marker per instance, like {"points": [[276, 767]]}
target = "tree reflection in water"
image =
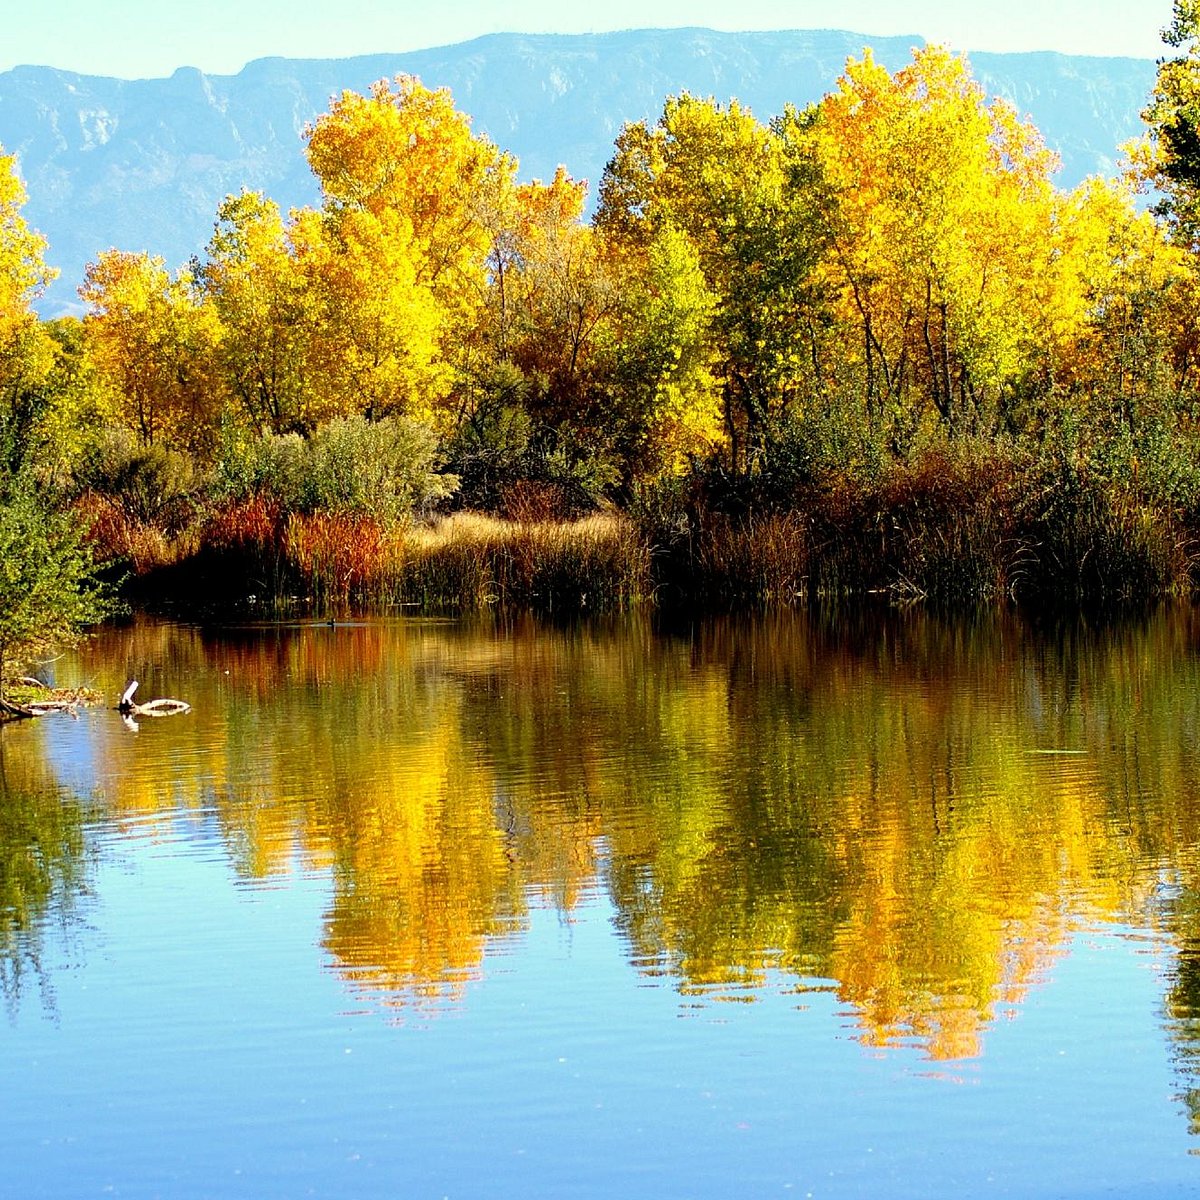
{"points": [[914, 812], [45, 868]]}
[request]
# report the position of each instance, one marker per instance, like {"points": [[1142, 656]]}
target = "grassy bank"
{"points": [[952, 526], [948, 530], [253, 555]]}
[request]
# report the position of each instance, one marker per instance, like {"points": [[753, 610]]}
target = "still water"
{"points": [[869, 906]]}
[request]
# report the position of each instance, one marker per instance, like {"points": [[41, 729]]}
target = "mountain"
{"points": [[142, 164]]}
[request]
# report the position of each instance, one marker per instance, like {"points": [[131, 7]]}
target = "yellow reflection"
{"points": [[916, 810]]}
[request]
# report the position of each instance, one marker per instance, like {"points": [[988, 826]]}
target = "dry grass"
{"points": [[331, 561], [124, 542], [468, 560]]}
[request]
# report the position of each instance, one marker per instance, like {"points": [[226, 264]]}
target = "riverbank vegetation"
{"points": [[867, 346]]}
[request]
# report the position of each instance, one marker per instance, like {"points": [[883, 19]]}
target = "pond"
{"points": [[871, 904]]}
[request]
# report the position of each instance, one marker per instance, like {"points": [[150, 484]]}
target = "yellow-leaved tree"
{"points": [[400, 253], [719, 213], [149, 341], [266, 312], [941, 235], [26, 351]]}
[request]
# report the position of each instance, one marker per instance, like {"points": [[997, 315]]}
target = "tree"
{"points": [[374, 348], [265, 309], [670, 396], [26, 352], [941, 236], [745, 198], [412, 203], [150, 341], [1171, 158], [560, 297], [49, 590]]}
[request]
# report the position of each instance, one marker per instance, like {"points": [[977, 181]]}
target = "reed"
{"points": [[468, 560], [958, 524], [939, 529], [1085, 543], [123, 543], [337, 559], [755, 559]]}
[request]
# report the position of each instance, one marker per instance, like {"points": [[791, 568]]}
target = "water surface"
{"points": [[874, 905]]}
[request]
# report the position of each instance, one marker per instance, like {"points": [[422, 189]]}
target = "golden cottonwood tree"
{"points": [[559, 297], [409, 221], [266, 311], [375, 351], [671, 397], [149, 341], [1118, 306], [1169, 156], [26, 352], [724, 181], [941, 234]]}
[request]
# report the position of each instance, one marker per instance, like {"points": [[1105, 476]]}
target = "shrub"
{"points": [[383, 469], [149, 483], [1088, 539], [49, 589]]}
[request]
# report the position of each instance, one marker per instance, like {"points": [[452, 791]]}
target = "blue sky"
{"points": [[141, 38]]}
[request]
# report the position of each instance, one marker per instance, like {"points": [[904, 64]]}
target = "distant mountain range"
{"points": [[142, 165]]}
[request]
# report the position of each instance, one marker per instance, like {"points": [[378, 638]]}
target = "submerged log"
{"points": [[39, 708], [16, 710], [152, 708], [68, 700]]}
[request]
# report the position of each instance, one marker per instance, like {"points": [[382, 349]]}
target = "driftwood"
{"points": [[39, 708], [152, 708]]}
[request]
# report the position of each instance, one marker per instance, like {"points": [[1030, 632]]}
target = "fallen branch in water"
{"points": [[39, 708], [152, 708], [68, 700]]}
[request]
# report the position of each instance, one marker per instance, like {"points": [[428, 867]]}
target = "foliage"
{"points": [[265, 311], [945, 235], [26, 350], [864, 346], [150, 483], [399, 251], [724, 217], [49, 590], [383, 469], [1170, 158], [149, 341]]}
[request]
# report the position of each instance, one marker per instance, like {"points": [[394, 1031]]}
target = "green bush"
{"points": [[49, 591], [1094, 528], [384, 469], [149, 483]]}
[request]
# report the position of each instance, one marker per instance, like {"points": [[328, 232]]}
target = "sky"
{"points": [[144, 38]]}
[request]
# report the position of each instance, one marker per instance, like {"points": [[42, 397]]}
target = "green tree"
{"points": [[49, 587], [1171, 160], [26, 352]]}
